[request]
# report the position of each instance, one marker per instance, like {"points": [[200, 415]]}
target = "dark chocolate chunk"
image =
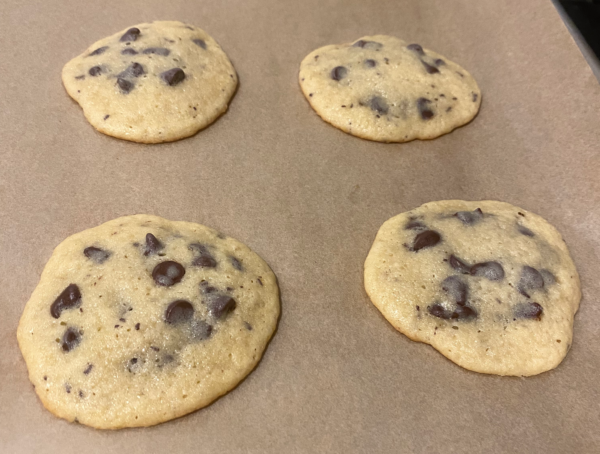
{"points": [[429, 68], [370, 63], [424, 110], [168, 273], [153, 245], [426, 239], [106, 117], [531, 279], [137, 326], [416, 48], [205, 261], [490, 270], [367, 44], [135, 70], [157, 51], [525, 231], [469, 217], [88, 369], [456, 289], [528, 310], [99, 51], [173, 76], [70, 298], [130, 35], [96, 254], [437, 310], [129, 51], [338, 73], [237, 264], [125, 85], [95, 71], [70, 339], [459, 265], [464, 313], [200, 330], [221, 305], [200, 42], [439, 62], [259, 281], [179, 311], [379, 105]]}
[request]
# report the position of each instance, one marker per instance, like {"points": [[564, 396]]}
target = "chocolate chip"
{"points": [[88, 369], [237, 264], [80, 77], [179, 311], [200, 330], [464, 313], [205, 261], [475, 96], [205, 288], [367, 44], [430, 69], [528, 310], [459, 265], [259, 281], [153, 245], [135, 70], [81, 395], [99, 51], [70, 298], [379, 105], [549, 278], [156, 349], [70, 339], [125, 85], [168, 273], [130, 35], [531, 279], [106, 117], [423, 106], [221, 305], [96, 254], [426, 239], [200, 42], [68, 388], [414, 225], [95, 71], [370, 63], [456, 289], [129, 51], [248, 326], [416, 48], [525, 231], [437, 310], [157, 51], [469, 217], [439, 62], [338, 73], [490, 270], [173, 76], [137, 326]]}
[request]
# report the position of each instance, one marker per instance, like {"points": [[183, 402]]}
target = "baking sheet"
{"points": [[309, 199]]}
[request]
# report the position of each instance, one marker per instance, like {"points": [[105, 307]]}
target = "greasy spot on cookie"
{"points": [[425, 239], [179, 311], [338, 73], [70, 339], [173, 76], [489, 270], [70, 298], [130, 35], [168, 273], [96, 254]]}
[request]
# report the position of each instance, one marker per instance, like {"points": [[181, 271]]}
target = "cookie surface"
{"points": [[151, 83], [141, 320], [491, 286], [384, 89]]}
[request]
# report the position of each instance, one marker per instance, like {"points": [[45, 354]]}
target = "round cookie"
{"points": [[141, 320], [152, 83], [384, 89], [490, 286]]}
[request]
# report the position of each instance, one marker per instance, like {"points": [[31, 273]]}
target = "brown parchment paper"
{"points": [[309, 199]]}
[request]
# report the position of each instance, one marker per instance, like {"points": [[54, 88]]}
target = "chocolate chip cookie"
{"points": [[141, 320], [151, 83], [384, 89], [491, 286]]}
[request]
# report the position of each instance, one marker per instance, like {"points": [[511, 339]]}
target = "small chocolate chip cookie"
{"points": [[491, 286], [384, 89], [141, 320], [152, 83]]}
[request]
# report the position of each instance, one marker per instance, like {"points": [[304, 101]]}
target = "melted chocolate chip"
{"points": [[173, 76], [129, 51], [464, 313], [413, 224], [135, 70], [459, 265], [456, 289], [130, 35], [168, 273], [157, 51], [259, 281], [416, 48], [469, 217], [528, 310], [179, 311], [367, 44], [200, 42], [125, 85], [137, 326], [221, 305], [99, 51], [423, 107], [426, 239], [237, 264], [475, 96], [525, 231], [437, 310], [205, 261], [70, 298], [88, 369], [96, 254], [531, 279], [338, 73], [429, 68], [153, 245], [205, 288], [379, 105], [549, 278], [490, 270], [439, 62], [200, 330], [70, 339], [95, 71], [370, 63]]}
